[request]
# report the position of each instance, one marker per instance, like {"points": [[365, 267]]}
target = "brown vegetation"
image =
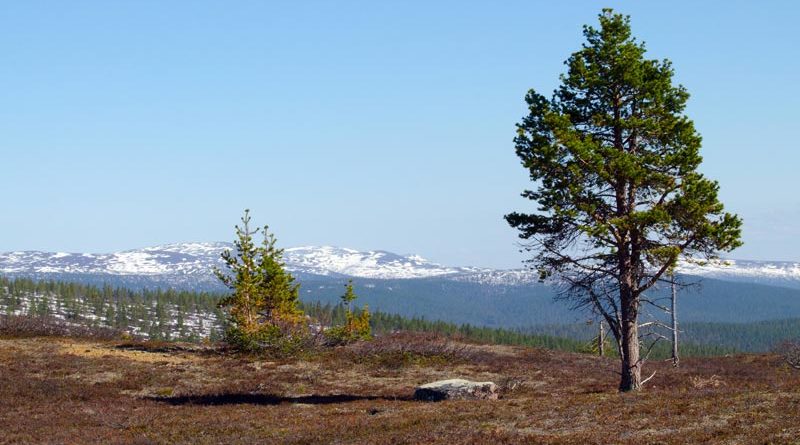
{"points": [[790, 350], [66, 390], [39, 326]]}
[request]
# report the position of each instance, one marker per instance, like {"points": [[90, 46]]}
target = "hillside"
{"points": [[193, 316], [731, 292], [189, 266], [67, 390]]}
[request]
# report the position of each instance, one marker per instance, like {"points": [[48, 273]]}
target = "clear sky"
{"points": [[372, 125]]}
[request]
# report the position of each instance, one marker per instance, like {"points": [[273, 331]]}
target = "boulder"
{"points": [[456, 389]]}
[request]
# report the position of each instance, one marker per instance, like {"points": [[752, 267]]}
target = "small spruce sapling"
{"points": [[356, 325], [262, 309]]}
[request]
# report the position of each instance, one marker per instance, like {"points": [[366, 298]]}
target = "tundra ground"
{"points": [[66, 390]]}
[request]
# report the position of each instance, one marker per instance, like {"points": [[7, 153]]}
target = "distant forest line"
{"points": [[509, 306], [193, 316]]}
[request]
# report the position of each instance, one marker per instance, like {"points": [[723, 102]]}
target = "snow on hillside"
{"points": [[513, 277], [198, 260], [373, 264], [189, 258], [776, 273]]}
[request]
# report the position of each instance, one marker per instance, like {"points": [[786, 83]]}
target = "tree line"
{"points": [[195, 316]]}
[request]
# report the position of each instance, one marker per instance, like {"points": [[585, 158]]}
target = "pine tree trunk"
{"points": [[631, 368], [631, 372]]}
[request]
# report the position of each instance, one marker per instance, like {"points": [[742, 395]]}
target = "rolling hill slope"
{"points": [[734, 291]]}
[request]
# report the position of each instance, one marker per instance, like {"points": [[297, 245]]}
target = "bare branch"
{"points": [[648, 379]]}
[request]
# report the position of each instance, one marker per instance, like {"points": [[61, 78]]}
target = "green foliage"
{"points": [[382, 323], [349, 295], [262, 308], [593, 346], [277, 339], [356, 324], [135, 313], [139, 312], [615, 161], [747, 337], [618, 193]]}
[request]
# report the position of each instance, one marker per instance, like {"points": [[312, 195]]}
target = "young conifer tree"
{"points": [[349, 295], [356, 325], [264, 297]]}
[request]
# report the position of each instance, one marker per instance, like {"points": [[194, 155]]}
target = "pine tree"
{"points": [[263, 303], [109, 315], [281, 292], [356, 325], [349, 295], [618, 194]]}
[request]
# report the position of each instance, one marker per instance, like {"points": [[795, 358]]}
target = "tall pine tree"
{"points": [[619, 199]]}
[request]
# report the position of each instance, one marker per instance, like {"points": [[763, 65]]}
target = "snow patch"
{"points": [[195, 261]]}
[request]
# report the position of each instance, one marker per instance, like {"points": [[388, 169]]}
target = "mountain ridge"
{"points": [[412, 286], [200, 258]]}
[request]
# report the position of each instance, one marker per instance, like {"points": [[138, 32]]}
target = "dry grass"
{"points": [[57, 390], [403, 349], [790, 350], [34, 326], [700, 382]]}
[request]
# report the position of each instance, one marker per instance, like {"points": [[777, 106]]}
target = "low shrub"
{"points": [[401, 349], [699, 382], [790, 351], [44, 326], [356, 324], [278, 340], [356, 328]]}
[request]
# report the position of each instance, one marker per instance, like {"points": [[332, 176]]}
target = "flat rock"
{"points": [[456, 389]]}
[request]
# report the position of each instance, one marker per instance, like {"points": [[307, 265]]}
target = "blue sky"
{"points": [[373, 125]]}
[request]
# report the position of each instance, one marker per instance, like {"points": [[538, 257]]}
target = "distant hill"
{"points": [[170, 314], [733, 291]]}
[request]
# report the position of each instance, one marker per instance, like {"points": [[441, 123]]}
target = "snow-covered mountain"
{"points": [[773, 273], [193, 262], [185, 259], [735, 291], [377, 264], [199, 259]]}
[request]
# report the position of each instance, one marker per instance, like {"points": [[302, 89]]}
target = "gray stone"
{"points": [[456, 389]]}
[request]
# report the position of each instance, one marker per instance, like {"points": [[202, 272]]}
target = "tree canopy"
{"points": [[263, 301], [619, 198]]}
